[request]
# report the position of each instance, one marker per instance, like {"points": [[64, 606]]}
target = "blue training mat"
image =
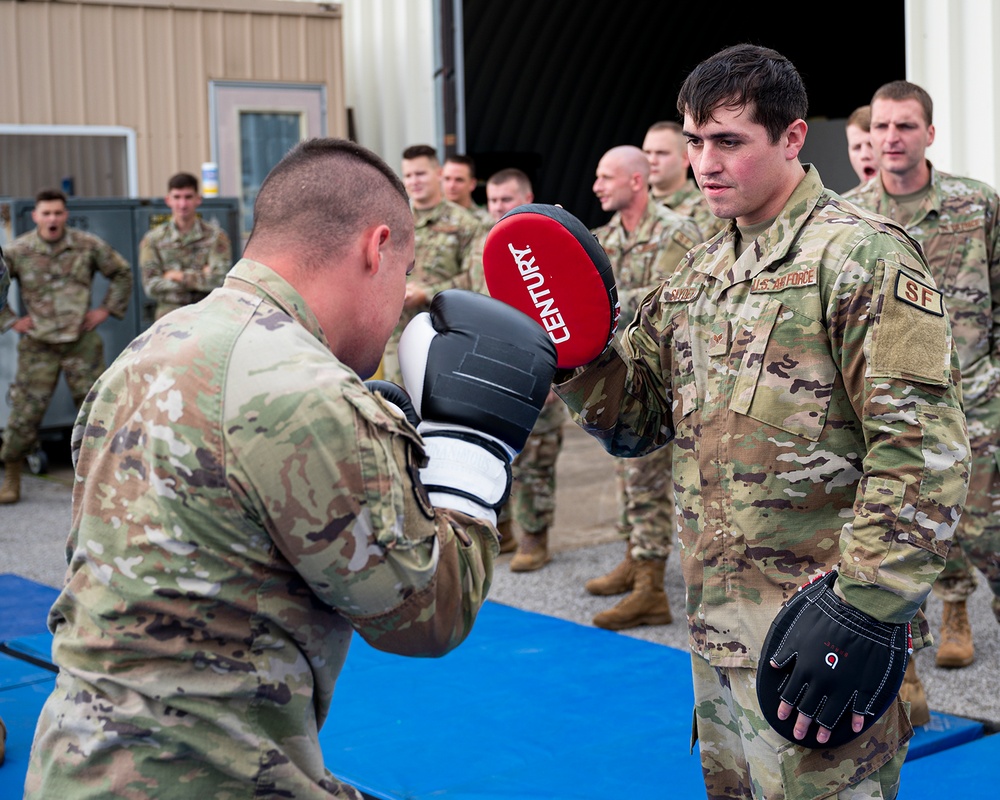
{"points": [[529, 706], [966, 771]]}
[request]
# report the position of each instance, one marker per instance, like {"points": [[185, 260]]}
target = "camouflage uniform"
{"points": [[532, 503], [483, 215], [55, 286], [641, 261], [248, 504], [688, 201], [445, 247], [959, 231], [203, 254], [814, 392], [4, 281]]}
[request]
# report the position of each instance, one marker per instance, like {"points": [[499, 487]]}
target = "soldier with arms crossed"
{"points": [[186, 257]]}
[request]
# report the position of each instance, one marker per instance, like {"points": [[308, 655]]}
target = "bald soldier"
{"points": [[645, 242], [249, 503]]}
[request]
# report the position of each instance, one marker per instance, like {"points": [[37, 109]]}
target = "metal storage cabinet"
{"points": [[121, 222]]}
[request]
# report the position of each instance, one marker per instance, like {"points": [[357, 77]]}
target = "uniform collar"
{"points": [[259, 279], [774, 244]]}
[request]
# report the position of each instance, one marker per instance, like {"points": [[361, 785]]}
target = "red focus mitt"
{"points": [[543, 261]]}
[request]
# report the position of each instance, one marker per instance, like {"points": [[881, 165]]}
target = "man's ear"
{"points": [[796, 136], [375, 239]]}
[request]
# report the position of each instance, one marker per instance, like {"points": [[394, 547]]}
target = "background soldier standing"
{"points": [[54, 267], [446, 244], [186, 257], [955, 219], [532, 503], [669, 182], [645, 242], [458, 182]]}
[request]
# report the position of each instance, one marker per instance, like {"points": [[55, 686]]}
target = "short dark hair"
{"points": [[904, 90], [468, 161], [182, 180], [861, 117], [420, 151], [48, 195], [746, 76], [322, 194], [511, 174], [666, 125]]}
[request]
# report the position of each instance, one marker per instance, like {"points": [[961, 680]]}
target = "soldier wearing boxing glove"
{"points": [[249, 504], [803, 364]]}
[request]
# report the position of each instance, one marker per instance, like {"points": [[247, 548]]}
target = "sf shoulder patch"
{"points": [[919, 295], [911, 335]]}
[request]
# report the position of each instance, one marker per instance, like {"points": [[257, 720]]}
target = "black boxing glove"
{"points": [[478, 372], [833, 660], [396, 396]]}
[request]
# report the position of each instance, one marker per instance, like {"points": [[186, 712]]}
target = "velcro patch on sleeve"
{"points": [[912, 338], [919, 295]]}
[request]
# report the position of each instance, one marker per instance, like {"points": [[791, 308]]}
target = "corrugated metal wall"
{"points": [[389, 68], [146, 65]]}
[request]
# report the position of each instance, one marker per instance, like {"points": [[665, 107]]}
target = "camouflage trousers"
{"points": [[38, 366], [742, 757], [532, 503], [977, 538], [646, 503]]}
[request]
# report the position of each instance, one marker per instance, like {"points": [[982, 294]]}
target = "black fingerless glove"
{"points": [[833, 660]]}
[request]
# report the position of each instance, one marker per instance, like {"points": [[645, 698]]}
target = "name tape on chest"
{"points": [[806, 276], [919, 295]]}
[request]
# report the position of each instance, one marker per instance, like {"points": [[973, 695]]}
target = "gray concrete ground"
{"points": [[33, 536]]}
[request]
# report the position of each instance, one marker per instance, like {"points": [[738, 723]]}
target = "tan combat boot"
{"points": [[532, 552], [646, 605], [956, 637], [508, 542], [10, 492], [912, 691], [620, 580]]}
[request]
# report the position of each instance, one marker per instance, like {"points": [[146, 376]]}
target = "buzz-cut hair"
{"points": [[904, 90]]}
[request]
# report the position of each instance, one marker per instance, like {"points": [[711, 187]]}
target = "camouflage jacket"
{"points": [[642, 260], [813, 388], [483, 215], [55, 281], [4, 281], [446, 244], [959, 231], [203, 254], [242, 504], [688, 201]]}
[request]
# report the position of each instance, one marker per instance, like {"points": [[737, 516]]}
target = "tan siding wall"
{"points": [[146, 65]]}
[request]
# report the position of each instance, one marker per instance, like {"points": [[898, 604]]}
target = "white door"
{"points": [[253, 126]]}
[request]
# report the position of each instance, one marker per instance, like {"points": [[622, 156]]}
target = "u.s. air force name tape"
{"points": [[543, 261]]}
